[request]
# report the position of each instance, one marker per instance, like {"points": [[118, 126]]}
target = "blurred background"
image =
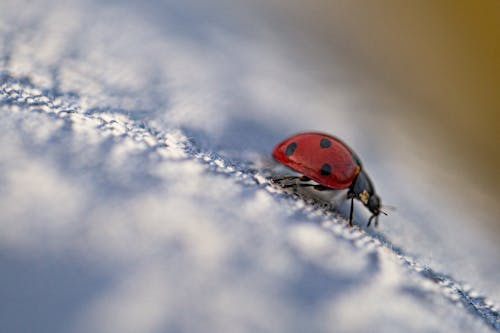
{"points": [[432, 69]]}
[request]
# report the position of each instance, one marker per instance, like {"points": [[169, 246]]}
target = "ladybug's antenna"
{"points": [[386, 207], [389, 207]]}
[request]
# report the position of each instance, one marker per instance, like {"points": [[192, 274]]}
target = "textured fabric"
{"points": [[135, 143]]}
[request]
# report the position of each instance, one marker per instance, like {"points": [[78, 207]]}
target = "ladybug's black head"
{"points": [[374, 204], [363, 190]]}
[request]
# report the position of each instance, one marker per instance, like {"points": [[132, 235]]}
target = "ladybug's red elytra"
{"points": [[329, 162]]}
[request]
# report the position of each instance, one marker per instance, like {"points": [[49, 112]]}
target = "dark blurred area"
{"points": [[440, 60]]}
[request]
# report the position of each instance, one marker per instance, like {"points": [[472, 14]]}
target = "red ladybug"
{"points": [[331, 164]]}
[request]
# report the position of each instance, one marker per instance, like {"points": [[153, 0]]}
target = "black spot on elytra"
{"points": [[325, 143], [290, 149], [326, 170]]}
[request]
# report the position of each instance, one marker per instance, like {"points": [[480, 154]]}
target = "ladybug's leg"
{"points": [[370, 220], [288, 185], [280, 179], [317, 187], [351, 195], [320, 187], [323, 188], [351, 213], [292, 181]]}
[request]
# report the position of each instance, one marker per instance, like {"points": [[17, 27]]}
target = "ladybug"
{"points": [[330, 163]]}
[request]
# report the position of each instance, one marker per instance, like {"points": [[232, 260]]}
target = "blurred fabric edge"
{"points": [[441, 58]]}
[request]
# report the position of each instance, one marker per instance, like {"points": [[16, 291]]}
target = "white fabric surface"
{"points": [[135, 143]]}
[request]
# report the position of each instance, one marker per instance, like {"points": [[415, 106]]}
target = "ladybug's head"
{"points": [[374, 204], [374, 207]]}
